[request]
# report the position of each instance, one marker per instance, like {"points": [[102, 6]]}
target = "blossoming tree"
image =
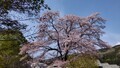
{"points": [[60, 36]]}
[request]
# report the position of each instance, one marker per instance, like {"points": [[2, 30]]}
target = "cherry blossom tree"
{"points": [[61, 36]]}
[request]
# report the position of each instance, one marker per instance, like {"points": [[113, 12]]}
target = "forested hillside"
{"points": [[111, 56]]}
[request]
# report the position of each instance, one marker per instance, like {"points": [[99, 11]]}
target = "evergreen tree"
{"points": [[10, 41]]}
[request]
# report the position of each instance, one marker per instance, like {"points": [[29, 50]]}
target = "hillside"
{"points": [[111, 56]]}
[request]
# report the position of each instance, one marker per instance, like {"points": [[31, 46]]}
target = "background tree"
{"points": [[10, 41], [10, 30], [30, 7], [61, 36]]}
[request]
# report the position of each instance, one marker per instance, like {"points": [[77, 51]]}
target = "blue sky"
{"points": [[109, 9]]}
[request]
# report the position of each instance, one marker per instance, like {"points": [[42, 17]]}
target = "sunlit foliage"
{"points": [[9, 48]]}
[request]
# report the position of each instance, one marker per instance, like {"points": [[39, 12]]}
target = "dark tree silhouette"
{"points": [[31, 7]]}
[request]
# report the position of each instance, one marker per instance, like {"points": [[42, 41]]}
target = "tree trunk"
{"points": [[65, 56]]}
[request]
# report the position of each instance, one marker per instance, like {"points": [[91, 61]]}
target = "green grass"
{"points": [[84, 61]]}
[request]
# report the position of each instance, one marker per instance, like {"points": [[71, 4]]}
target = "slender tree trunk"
{"points": [[66, 56]]}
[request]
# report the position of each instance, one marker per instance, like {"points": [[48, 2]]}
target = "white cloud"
{"points": [[111, 38], [118, 43]]}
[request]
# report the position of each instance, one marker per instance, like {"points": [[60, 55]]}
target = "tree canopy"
{"points": [[23, 6], [9, 48], [30, 7]]}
